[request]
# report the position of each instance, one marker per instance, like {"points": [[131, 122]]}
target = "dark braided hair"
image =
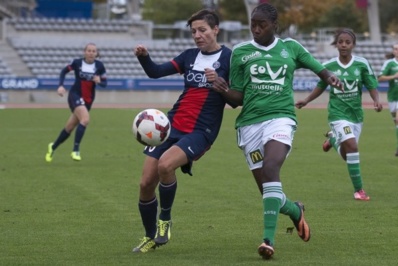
{"points": [[390, 55], [207, 15], [344, 30], [269, 11]]}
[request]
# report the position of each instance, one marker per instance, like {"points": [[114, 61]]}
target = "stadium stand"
{"points": [[5, 70], [45, 61], [33, 50], [71, 25], [46, 44], [16, 7]]}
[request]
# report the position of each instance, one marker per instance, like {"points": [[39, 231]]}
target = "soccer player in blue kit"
{"points": [[195, 123], [89, 72]]}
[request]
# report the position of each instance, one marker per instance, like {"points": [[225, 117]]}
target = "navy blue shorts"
{"points": [[194, 145], [75, 100]]}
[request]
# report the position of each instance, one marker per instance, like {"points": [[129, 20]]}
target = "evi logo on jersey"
{"points": [[348, 87], [277, 77]]}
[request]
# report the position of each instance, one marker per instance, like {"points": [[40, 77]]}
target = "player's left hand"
{"points": [[140, 50], [220, 85], [378, 107], [96, 79], [336, 82], [300, 104]]}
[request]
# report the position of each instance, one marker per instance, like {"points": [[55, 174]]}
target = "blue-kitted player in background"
{"points": [[89, 72]]}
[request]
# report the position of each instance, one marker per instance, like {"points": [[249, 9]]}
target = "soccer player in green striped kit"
{"points": [[262, 73], [389, 72], [345, 109]]}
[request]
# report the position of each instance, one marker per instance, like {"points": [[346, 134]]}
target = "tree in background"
{"points": [[304, 15], [233, 10], [307, 15], [170, 11], [388, 16], [346, 14]]}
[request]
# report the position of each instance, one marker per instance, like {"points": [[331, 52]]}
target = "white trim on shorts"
{"points": [[343, 130], [393, 106], [252, 138]]}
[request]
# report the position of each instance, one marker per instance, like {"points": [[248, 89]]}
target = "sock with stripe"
{"points": [[272, 201], [332, 141], [167, 194], [354, 170], [291, 209], [148, 211], [78, 136]]}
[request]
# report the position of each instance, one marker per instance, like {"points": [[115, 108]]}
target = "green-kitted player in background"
{"points": [[389, 72], [345, 113]]}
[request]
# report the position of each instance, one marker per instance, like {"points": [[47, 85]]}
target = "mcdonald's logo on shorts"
{"points": [[347, 130], [256, 156]]}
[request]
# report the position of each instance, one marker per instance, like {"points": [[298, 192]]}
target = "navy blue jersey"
{"points": [[84, 86], [198, 108]]}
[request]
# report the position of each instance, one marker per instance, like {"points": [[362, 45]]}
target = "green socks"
{"points": [[332, 141], [291, 209], [352, 160], [272, 201], [396, 134], [354, 170]]}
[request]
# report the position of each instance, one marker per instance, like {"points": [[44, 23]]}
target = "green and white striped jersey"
{"points": [[265, 76], [355, 75], [389, 68]]}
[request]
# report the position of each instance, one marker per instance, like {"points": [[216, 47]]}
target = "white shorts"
{"points": [[393, 106], [252, 138], [344, 130]]}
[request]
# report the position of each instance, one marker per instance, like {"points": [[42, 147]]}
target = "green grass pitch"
{"points": [[85, 213]]}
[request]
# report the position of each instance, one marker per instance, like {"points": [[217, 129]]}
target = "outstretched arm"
{"points": [[313, 95], [387, 78], [152, 69], [374, 94]]}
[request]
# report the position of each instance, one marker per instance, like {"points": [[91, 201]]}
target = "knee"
{"points": [[147, 186], [350, 146], [84, 121], [270, 171], [271, 165], [164, 168]]}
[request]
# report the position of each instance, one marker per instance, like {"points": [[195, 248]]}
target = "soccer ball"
{"points": [[151, 127]]}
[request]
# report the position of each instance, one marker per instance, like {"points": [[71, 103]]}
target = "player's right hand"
{"points": [[140, 50], [300, 104], [61, 91], [220, 85]]}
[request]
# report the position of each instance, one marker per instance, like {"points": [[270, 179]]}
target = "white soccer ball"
{"points": [[151, 127]]}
